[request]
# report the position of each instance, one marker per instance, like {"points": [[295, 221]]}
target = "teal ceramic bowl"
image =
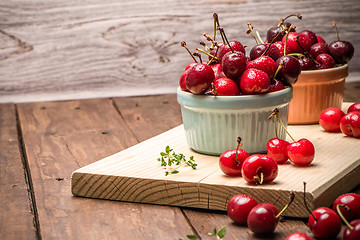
{"points": [[213, 123]]}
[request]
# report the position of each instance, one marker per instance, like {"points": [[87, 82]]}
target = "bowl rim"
{"points": [[271, 99], [334, 69]]}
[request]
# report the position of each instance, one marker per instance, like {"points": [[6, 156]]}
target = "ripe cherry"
{"points": [[352, 231], [325, 61], [355, 107], [277, 149], [324, 223], [270, 50], [276, 85], [233, 64], [235, 46], [352, 201], [239, 207], [288, 69], [259, 169], [264, 63], [350, 124], [218, 71], [264, 217], [254, 81], [307, 63], [302, 152], [231, 161], [182, 83], [298, 236], [341, 51], [225, 87], [329, 119], [291, 42], [318, 48], [307, 38], [199, 78], [320, 39]]}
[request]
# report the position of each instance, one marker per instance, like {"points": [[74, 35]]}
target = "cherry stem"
{"points": [[272, 41], [337, 32], [306, 206], [287, 35], [206, 53], [223, 35], [259, 179], [276, 113], [216, 22], [206, 47], [258, 35], [342, 216], [281, 65], [183, 44], [213, 89], [237, 148], [291, 197], [282, 20], [251, 30]]}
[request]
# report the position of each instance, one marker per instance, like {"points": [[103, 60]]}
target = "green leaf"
{"points": [[213, 233], [192, 237], [174, 172], [163, 154], [222, 232]]}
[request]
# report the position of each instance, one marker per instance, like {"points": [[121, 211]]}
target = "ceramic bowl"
{"points": [[316, 90], [213, 123]]}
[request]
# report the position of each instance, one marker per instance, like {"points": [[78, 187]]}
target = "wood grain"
{"points": [[16, 218], [54, 50], [63, 136]]}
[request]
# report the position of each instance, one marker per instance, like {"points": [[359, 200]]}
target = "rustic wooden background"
{"points": [[57, 50]]}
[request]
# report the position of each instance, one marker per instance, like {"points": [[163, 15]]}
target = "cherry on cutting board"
{"points": [[301, 153], [239, 207], [298, 236], [355, 107], [277, 149], [264, 217], [350, 124], [259, 169], [352, 231], [329, 119], [352, 201], [231, 161]]}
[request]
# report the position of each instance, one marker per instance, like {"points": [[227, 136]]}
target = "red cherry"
{"points": [[239, 207], [352, 201], [182, 83], [298, 236], [290, 69], [218, 71], [264, 63], [292, 45], [262, 218], [254, 81], [231, 161], [325, 60], [327, 224], [301, 153], [329, 119], [280, 46], [225, 87], [307, 63], [350, 124], [355, 107], [259, 168], [276, 85], [199, 78], [277, 149], [307, 39], [320, 39], [318, 48], [234, 64], [235, 46], [190, 65], [354, 233]]}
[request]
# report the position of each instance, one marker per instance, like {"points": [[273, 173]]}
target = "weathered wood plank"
{"points": [[16, 219], [83, 49], [63, 136]]}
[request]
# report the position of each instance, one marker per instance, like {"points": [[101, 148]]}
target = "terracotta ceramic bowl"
{"points": [[315, 91], [212, 124]]}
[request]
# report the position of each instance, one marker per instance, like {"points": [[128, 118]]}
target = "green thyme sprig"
{"points": [[172, 161], [218, 234]]}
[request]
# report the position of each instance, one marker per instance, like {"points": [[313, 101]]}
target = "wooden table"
{"points": [[42, 143]]}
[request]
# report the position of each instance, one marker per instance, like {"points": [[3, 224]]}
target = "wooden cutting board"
{"points": [[135, 175]]}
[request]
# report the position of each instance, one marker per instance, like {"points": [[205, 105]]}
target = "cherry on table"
{"points": [[277, 149], [326, 224], [231, 161], [350, 124], [355, 107], [301, 153], [329, 119], [352, 232], [352, 201], [298, 236], [259, 169], [239, 207]]}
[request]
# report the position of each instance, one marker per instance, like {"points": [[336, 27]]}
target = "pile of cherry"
{"points": [[271, 65], [324, 222], [335, 120]]}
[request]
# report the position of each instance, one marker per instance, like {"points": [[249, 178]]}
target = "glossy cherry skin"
{"points": [[301, 153], [262, 219], [355, 107], [320, 39], [318, 48], [254, 81], [290, 71], [329, 119], [270, 50], [218, 71], [239, 207], [228, 163], [257, 163], [182, 83], [327, 225], [325, 60], [307, 38], [353, 234], [351, 200], [274, 34], [276, 85], [233, 64], [298, 236], [235, 45], [189, 65], [307, 63], [226, 87], [264, 63], [199, 78], [292, 46], [341, 51], [350, 124], [277, 149]]}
